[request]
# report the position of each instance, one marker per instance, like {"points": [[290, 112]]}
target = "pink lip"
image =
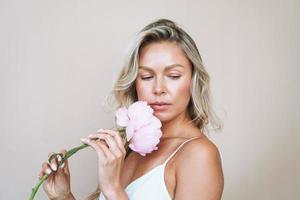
{"points": [[159, 107], [159, 103]]}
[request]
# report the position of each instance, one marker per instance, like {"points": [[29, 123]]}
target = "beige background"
{"points": [[59, 60]]}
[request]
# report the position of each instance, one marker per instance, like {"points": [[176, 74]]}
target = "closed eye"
{"points": [[149, 77], [146, 77], [174, 77]]}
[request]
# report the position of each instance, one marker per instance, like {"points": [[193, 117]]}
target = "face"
{"points": [[164, 80]]}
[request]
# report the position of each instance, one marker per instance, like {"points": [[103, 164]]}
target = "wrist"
{"points": [[117, 194], [65, 197]]}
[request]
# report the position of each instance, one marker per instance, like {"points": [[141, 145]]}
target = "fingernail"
{"points": [[53, 166], [100, 130], [62, 165], [59, 158], [85, 140], [48, 171]]}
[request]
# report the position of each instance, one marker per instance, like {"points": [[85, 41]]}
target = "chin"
{"points": [[162, 117]]}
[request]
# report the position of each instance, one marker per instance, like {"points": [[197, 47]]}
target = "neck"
{"points": [[176, 126]]}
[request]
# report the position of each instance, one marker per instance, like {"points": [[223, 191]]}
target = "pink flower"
{"points": [[142, 127]]}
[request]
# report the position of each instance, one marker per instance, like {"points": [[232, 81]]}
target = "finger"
{"points": [[97, 136], [65, 165], [41, 174], [110, 156], [110, 141], [96, 146], [53, 164], [112, 144], [51, 155], [43, 170], [46, 169], [117, 137]]}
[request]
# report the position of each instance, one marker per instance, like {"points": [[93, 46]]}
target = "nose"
{"points": [[159, 86]]}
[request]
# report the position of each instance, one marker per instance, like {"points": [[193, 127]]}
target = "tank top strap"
{"points": [[178, 149]]}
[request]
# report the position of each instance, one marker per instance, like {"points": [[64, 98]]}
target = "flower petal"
{"points": [[142, 127], [138, 109], [122, 116], [146, 139], [129, 131]]}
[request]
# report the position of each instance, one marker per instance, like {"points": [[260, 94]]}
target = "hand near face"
{"points": [[111, 154]]}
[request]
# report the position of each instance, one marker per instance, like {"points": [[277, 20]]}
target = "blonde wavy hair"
{"points": [[199, 107]]}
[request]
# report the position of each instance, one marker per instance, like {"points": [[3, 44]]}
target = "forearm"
{"points": [[68, 197], [119, 194]]}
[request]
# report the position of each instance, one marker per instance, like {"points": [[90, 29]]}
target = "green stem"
{"points": [[68, 155]]}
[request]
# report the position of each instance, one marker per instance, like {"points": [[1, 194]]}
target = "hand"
{"points": [[57, 185], [111, 153]]}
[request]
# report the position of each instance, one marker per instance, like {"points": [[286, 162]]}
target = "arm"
{"points": [[199, 172], [111, 153], [70, 196], [118, 194]]}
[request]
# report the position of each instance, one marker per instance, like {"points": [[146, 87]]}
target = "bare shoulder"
{"points": [[198, 171], [199, 152], [199, 149]]}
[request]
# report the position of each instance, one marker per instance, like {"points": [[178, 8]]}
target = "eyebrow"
{"points": [[167, 67]]}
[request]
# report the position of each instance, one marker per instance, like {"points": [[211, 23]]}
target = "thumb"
{"points": [[65, 166]]}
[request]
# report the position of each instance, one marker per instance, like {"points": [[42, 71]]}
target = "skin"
{"points": [[58, 186], [188, 175]]}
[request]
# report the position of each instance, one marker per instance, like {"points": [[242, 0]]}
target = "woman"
{"points": [[165, 69]]}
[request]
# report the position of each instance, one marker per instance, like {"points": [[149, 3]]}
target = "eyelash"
{"points": [[148, 77]]}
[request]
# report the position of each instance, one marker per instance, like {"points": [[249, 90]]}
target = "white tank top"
{"points": [[151, 185]]}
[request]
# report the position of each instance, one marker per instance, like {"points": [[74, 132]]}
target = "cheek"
{"points": [[142, 90], [183, 96], [183, 90]]}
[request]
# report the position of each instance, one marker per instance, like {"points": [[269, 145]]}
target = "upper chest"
{"points": [[137, 166]]}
